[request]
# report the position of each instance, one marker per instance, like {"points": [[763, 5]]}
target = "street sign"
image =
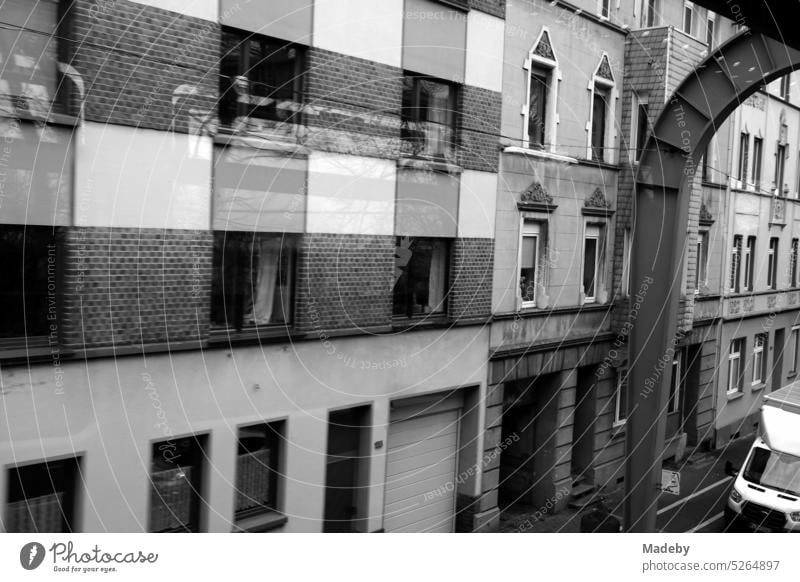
{"points": [[671, 482]]}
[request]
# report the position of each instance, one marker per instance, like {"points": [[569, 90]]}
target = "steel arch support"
{"points": [[663, 189]]}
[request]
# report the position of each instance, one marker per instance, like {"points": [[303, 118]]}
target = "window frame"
{"points": [[552, 73], [784, 88], [772, 262], [619, 409], [737, 348], [711, 29], [244, 40], [795, 335], [676, 383], [409, 314], [793, 257], [780, 168], [642, 128], [650, 13], [734, 275], [702, 258], [71, 466], [606, 89], [688, 11], [198, 484], [536, 229], [410, 123], [244, 517], [749, 263], [758, 151], [744, 158], [596, 232], [760, 351]]}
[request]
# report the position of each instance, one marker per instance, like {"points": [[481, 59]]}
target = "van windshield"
{"points": [[779, 471]]}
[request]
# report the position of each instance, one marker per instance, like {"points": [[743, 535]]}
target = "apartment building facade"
{"points": [[251, 246]]}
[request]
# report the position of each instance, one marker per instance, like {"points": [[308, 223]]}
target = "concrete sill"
{"points": [[260, 523], [734, 395], [757, 387], [539, 154]]}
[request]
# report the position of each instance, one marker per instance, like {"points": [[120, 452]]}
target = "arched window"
{"points": [[603, 91], [540, 118]]}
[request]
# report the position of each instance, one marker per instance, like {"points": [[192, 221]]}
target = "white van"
{"points": [[766, 492]]}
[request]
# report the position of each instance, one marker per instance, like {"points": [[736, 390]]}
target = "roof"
{"points": [[787, 397]]}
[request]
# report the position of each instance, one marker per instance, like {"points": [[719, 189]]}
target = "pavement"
{"points": [[704, 489]]}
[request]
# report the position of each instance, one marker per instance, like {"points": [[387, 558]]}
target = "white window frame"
{"points": [[646, 13], [551, 112], [674, 405], [618, 412], [749, 264], [592, 231], [702, 259], [690, 7], [759, 358], [638, 102], [772, 263], [609, 131], [531, 229], [793, 266], [626, 262], [600, 5], [736, 283], [795, 335], [712, 20], [735, 356]]}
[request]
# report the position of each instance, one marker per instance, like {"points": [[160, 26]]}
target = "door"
{"points": [[345, 469], [777, 359], [421, 465]]}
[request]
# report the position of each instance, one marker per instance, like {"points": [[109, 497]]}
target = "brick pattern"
{"points": [[479, 129], [129, 286], [133, 57], [344, 281], [493, 7], [471, 265], [353, 105]]}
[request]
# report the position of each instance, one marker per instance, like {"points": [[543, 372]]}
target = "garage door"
{"points": [[422, 458]]}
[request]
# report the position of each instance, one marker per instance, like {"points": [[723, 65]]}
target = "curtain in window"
{"points": [[265, 276], [537, 109], [435, 101], [436, 282]]}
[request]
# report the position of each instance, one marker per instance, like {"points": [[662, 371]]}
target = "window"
{"points": [[600, 105], [710, 25], [252, 280], [688, 17], [530, 275], [176, 475], [780, 160], [744, 151], [795, 349], [641, 129], [749, 263], [793, 262], [41, 497], [29, 78], [735, 370], [604, 8], [420, 276], [784, 88], [772, 263], [537, 108], [705, 168], [702, 258], [592, 261], [257, 469], [759, 358], [626, 261], [27, 260], [736, 261], [758, 144], [621, 398], [676, 383], [428, 117], [260, 81], [651, 13]]}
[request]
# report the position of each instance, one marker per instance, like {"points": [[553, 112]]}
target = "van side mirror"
{"points": [[729, 470]]}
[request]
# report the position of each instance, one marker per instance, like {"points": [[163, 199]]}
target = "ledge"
{"points": [[260, 523], [536, 312], [714, 185], [53, 118], [539, 154], [594, 211], [731, 396], [500, 352], [429, 165], [536, 207], [260, 142]]}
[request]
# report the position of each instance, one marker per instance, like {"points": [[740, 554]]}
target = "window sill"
{"points": [[249, 335], [757, 386], [791, 375], [734, 395], [274, 142], [429, 164], [618, 429], [421, 321], [52, 118], [260, 523], [539, 154]]}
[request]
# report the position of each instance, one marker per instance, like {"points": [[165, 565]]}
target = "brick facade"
{"points": [[353, 105], [479, 133], [133, 57], [471, 266], [129, 286], [493, 7], [344, 282]]}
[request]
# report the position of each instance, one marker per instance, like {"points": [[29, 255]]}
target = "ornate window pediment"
{"points": [[536, 198], [596, 204]]}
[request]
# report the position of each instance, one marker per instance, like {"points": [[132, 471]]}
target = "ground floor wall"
{"points": [[111, 411]]}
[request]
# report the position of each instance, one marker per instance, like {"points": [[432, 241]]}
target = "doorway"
{"points": [[583, 429], [346, 469]]}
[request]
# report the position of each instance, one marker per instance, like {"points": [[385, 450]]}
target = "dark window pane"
{"points": [[176, 475], [589, 266], [538, 109], [24, 256], [599, 125], [257, 469], [420, 276], [428, 117], [527, 275], [41, 497]]}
